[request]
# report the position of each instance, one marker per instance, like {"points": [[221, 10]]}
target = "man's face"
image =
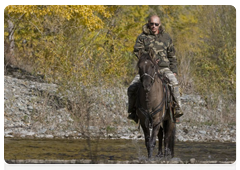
{"points": [[154, 24]]}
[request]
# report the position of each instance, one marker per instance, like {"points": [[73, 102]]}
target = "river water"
{"points": [[110, 149]]}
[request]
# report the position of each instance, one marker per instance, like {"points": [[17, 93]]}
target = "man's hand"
{"points": [[175, 74]]}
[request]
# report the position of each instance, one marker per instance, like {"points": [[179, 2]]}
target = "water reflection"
{"points": [[120, 150]]}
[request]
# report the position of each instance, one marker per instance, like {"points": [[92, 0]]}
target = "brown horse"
{"points": [[152, 109]]}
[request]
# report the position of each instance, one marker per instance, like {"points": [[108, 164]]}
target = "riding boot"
{"points": [[132, 97], [132, 108], [178, 107]]}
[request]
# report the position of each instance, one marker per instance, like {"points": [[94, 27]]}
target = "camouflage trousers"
{"points": [[173, 83]]}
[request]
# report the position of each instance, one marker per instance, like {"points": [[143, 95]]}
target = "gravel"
{"points": [[35, 109]]}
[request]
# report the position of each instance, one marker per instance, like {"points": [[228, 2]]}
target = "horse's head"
{"points": [[147, 69]]}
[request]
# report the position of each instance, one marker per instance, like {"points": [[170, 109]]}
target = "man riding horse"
{"points": [[154, 37]]}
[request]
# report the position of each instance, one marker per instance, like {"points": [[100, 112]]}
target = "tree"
{"points": [[39, 32]]}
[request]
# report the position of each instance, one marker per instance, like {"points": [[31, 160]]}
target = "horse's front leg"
{"points": [[146, 132], [154, 135], [160, 139]]}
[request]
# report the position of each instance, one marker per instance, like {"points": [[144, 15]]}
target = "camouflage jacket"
{"points": [[161, 44]]}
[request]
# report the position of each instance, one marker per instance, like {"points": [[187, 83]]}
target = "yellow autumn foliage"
{"points": [[86, 14], [92, 45]]}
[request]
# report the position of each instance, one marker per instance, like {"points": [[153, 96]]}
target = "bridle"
{"points": [[152, 77]]}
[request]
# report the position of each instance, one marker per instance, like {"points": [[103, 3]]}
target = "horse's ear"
{"points": [[151, 53]]}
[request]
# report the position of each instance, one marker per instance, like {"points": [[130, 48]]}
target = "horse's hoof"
{"points": [[149, 156], [160, 155]]}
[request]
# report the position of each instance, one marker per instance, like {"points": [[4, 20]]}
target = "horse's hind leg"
{"points": [[172, 131], [169, 129], [166, 139], [160, 139]]}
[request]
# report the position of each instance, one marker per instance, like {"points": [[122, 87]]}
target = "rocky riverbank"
{"points": [[35, 109], [88, 164]]}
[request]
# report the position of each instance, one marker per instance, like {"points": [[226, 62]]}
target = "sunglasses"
{"points": [[156, 24]]}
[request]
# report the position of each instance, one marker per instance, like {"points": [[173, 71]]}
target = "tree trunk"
{"points": [[11, 37]]}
